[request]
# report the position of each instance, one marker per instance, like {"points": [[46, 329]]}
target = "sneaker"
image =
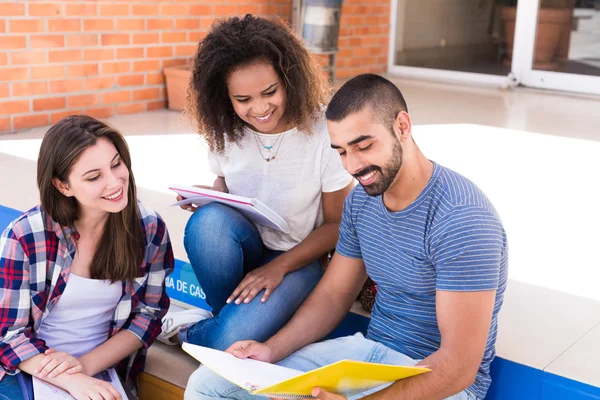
{"points": [[173, 322]]}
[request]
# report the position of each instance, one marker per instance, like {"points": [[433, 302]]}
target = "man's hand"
{"points": [[267, 277], [251, 349], [55, 363]]}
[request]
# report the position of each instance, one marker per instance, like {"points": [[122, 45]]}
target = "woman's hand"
{"points": [[84, 387], [55, 363], [219, 185], [267, 277]]}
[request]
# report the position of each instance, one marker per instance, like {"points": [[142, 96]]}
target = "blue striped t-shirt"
{"points": [[450, 238]]}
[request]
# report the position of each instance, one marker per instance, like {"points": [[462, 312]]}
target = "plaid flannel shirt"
{"points": [[35, 263]]}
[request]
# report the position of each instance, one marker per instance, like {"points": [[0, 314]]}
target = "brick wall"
{"points": [[364, 37], [105, 57]]}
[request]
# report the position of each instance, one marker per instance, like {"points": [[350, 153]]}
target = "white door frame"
{"points": [[522, 67], [433, 74], [522, 64]]}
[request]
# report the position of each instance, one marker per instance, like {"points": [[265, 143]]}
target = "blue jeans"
{"points": [[206, 385], [10, 389], [223, 246]]}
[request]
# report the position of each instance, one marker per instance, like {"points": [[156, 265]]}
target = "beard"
{"points": [[387, 173]]}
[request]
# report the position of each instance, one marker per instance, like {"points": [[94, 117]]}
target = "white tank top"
{"points": [[80, 320]]}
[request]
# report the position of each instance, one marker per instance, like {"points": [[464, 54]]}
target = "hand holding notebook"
{"points": [[343, 377], [252, 208]]}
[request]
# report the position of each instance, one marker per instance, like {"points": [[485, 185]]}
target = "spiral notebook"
{"points": [[252, 208], [344, 377]]}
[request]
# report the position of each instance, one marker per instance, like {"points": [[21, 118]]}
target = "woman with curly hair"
{"points": [[257, 96]]}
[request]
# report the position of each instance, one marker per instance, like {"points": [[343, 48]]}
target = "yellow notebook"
{"points": [[343, 377]]}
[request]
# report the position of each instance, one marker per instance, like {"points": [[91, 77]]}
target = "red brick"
{"points": [[98, 54], [130, 80], [88, 40], [66, 85], [4, 124], [206, 23], [244, 9], [175, 9], [53, 103], [3, 58], [145, 94], [146, 65], [12, 9], [156, 105], [118, 67], [231, 10], [130, 52], [115, 39], [46, 41], [131, 24], [47, 72], [196, 36], [160, 24], [55, 117], [185, 51], [187, 23], [14, 74], [131, 108], [14, 107], [164, 51], [145, 38], [64, 25], [2, 26], [155, 79], [90, 25], [174, 62], [4, 92], [99, 83], [102, 112], [63, 56], [114, 9], [83, 100], [201, 10], [44, 10], [83, 9], [82, 70], [29, 89], [143, 9], [26, 26], [27, 57], [174, 37], [30, 121], [123, 96]]}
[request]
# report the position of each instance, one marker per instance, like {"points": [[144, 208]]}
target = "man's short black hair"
{"points": [[372, 90]]}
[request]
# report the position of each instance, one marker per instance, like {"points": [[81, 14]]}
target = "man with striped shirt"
{"points": [[427, 236]]}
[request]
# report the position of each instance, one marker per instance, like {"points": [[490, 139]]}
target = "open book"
{"points": [[45, 391], [253, 209], [343, 377]]}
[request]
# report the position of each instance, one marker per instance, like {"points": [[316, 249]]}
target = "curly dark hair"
{"points": [[236, 42]]}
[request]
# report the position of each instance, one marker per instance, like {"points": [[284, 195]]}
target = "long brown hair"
{"points": [[237, 42], [120, 250]]}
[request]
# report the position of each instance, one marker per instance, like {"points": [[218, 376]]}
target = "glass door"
{"points": [[557, 45]]}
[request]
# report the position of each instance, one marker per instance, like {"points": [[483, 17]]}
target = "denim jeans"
{"points": [[223, 246], [206, 385], [10, 389]]}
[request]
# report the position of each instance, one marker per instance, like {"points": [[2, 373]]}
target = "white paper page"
{"points": [[246, 373], [45, 391]]}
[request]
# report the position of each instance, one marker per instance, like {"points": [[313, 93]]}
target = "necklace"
{"points": [[268, 148], [280, 140]]}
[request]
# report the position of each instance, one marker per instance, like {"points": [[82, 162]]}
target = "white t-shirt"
{"points": [[305, 166], [80, 321]]}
